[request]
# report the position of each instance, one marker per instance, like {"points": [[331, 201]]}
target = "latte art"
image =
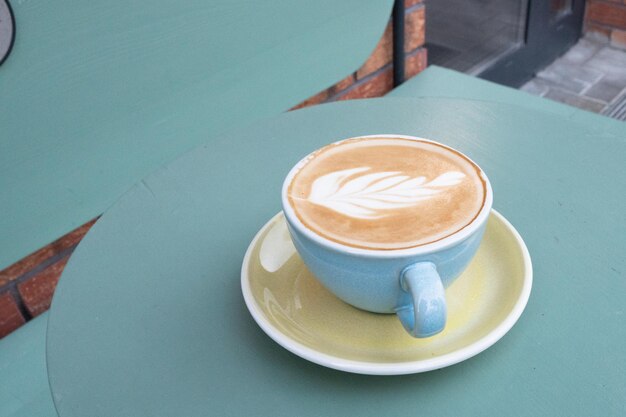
{"points": [[386, 193], [372, 196]]}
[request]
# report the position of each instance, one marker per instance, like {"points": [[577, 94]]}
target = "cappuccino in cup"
{"points": [[387, 222], [386, 193]]}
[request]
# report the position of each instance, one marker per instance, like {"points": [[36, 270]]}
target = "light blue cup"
{"points": [[408, 282]]}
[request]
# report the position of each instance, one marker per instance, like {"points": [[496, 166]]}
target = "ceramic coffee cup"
{"points": [[386, 222]]}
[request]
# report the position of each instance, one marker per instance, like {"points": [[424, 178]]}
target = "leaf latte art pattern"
{"points": [[355, 193]]}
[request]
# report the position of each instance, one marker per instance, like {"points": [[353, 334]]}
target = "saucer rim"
{"points": [[398, 368]]}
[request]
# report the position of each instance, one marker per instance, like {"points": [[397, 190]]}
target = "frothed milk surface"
{"points": [[386, 193]]}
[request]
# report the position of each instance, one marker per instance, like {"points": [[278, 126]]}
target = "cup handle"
{"points": [[422, 308]]}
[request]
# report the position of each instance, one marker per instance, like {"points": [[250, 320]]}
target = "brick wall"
{"points": [[607, 18], [26, 287]]}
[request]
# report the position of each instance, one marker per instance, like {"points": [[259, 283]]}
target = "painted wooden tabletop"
{"points": [[148, 318], [95, 97]]}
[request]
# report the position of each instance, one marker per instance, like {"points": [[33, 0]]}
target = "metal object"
{"points": [[398, 42], [7, 30], [617, 110]]}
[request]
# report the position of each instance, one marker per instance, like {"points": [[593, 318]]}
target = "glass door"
{"points": [[505, 41]]}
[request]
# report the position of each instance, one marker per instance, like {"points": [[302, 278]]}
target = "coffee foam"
{"points": [[386, 193]]}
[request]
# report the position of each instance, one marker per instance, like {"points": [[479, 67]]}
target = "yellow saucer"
{"points": [[295, 310]]}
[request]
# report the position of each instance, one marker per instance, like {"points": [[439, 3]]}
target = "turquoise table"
{"points": [[148, 318]]}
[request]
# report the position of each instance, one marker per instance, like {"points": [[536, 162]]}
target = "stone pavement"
{"points": [[591, 76]]}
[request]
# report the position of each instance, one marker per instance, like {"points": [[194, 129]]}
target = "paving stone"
{"points": [[536, 87], [569, 76], [575, 100], [597, 33], [609, 61], [607, 89], [590, 76], [585, 49]]}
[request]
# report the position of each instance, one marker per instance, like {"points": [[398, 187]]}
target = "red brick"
{"points": [[415, 63], [320, 97], [414, 29], [63, 243], [375, 85], [618, 38], [381, 56], [344, 84], [10, 316], [411, 3], [605, 13], [37, 291]]}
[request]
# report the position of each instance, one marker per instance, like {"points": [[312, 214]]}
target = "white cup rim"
{"points": [[428, 248]]}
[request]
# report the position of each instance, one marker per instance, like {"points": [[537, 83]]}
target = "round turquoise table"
{"points": [[148, 318]]}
